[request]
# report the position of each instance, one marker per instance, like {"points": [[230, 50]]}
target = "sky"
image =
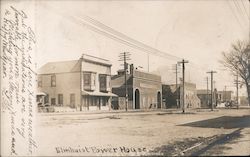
{"points": [[196, 30]]}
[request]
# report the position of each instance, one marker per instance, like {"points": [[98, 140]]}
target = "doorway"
{"points": [[159, 100], [137, 99]]}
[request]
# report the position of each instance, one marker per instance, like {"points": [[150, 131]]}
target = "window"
{"points": [[103, 82], [46, 99], [53, 101], [39, 82], [53, 80], [60, 99], [89, 80]]}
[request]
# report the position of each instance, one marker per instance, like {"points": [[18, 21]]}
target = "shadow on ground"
{"points": [[200, 146], [217, 146], [180, 147], [226, 122], [178, 113]]}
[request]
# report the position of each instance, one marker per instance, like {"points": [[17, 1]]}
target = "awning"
{"points": [[97, 93], [41, 93]]}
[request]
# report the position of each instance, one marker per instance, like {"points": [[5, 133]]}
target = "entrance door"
{"points": [[137, 99], [159, 100], [53, 101], [72, 100]]}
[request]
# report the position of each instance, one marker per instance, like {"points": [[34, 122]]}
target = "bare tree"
{"points": [[237, 60]]}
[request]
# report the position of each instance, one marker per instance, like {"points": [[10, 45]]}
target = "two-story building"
{"points": [[83, 84]]}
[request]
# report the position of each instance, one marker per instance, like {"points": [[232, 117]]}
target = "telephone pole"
{"points": [[125, 56], [183, 83], [176, 84], [237, 90], [207, 93], [226, 93], [212, 72]]}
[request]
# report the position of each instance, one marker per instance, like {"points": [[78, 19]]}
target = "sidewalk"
{"points": [[153, 111], [133, 112]]}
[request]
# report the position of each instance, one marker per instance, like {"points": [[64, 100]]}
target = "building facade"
{"points": [[144, 89], [191, 98], [173, 95], [83, 84], [218, 97], [205, 97]]}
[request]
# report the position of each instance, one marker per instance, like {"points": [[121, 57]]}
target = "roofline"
{"points": [[86, 59], [94, 57], [91, 61]]}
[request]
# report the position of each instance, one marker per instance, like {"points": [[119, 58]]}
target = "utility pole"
{"points": [[207, 93], [125, 56], [212, 72], [175, 68], [226, 93], [237, 90], [183, 83], [176, 84]]}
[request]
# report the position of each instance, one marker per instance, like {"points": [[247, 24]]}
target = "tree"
{"points": [[237, 60]]}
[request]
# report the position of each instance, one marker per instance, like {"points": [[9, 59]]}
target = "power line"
{"points": [[106, 31], [247, 14], [238, 21], [125, 37], [236, 4], [111, 30]]}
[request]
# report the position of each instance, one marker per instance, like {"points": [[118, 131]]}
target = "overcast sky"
{"points": [[195, 30]]}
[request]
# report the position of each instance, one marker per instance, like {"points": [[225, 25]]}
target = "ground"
{"points": [[159, 132]]}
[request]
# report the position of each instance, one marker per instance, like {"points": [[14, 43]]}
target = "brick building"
{"points": [[144, 89], [172, 95], [83, 84]]}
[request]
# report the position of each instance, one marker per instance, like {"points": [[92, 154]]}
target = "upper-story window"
{"points": [[104, 81], [89, 80], [39, 82], [53, 80]]}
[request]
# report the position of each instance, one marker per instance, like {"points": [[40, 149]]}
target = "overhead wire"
{"points": [[109, 32], [233, 13], [247, 14], [237, 6]]}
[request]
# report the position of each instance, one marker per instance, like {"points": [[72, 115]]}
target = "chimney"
{"points": [[131, 69]]}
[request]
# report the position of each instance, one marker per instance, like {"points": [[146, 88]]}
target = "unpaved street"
{"points": [[198, 132]]}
